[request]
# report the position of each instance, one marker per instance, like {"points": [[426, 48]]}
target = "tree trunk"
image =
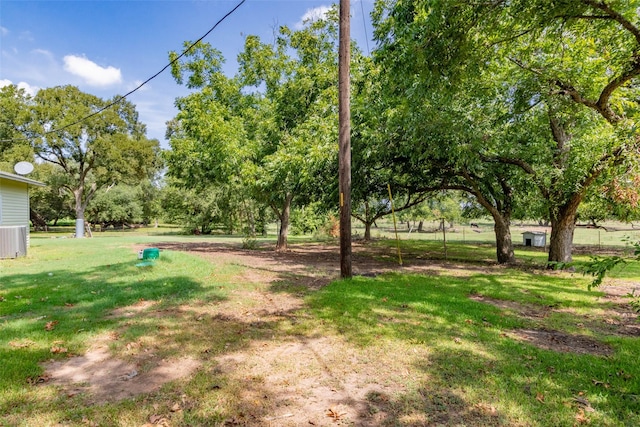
{"points": [[367, 230], [563, 225], [367, 223], [281, 245], [420, 225], [79, 213], [39, 224], [504, 244], [563, 218]]}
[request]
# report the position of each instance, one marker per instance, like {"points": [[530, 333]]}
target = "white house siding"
{"points": [[14, 204]]}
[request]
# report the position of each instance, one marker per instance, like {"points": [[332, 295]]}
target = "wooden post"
{"points": [[444, 238], [344, 154], [395, 225]]}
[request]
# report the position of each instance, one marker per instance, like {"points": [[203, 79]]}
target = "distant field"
{"points": [[612, 235]]}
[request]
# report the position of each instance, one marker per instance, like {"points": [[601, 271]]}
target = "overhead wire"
{"points": [[364, 25], [123, 97]]}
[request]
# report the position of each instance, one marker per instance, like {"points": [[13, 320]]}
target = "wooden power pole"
{"points": [[344, 156]]}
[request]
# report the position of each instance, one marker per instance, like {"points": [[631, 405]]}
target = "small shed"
{"points": [[14, 214], [534, 238]]}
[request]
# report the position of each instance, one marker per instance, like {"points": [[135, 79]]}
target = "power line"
{"points": [[121, 98], [364, 24]]}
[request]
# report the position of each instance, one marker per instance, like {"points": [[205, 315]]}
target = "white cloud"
{"points": [[90, 72], [31, 90], [4, 31], [43, 52], [311, 15], [26, 36]]}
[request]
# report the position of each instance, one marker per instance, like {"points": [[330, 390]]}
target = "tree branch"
{"points": [[603, 102], [586, 17], [626, 24], [526, 167]]}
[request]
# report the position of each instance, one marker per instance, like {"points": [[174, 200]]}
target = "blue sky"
{"points": [[107, 48]]}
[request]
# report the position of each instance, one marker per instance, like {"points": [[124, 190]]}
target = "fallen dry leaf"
{"points": [[486, 408], [540, 397], [332, 413], [58, 350], [157, 420], [50, 326], [584, 402], [581, 418], [88, 422], [39, 380], [600, 383], [21, 344], [175, 408]]}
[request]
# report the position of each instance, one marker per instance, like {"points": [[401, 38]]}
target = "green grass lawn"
{"points": [[471, 356], [471, 369]]}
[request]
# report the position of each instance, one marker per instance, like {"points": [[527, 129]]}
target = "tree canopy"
{"points": [[549, 88], [271, 129]]}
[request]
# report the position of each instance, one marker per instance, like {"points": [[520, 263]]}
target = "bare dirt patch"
{"points": [[107, 379], [561, 342], [618, 320], [529, 311], [317, 380]]}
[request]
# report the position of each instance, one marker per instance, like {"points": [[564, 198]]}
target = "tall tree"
{"points": [[296, 144], [106, 148], [14, 117], [272, 129], [572, 65]]}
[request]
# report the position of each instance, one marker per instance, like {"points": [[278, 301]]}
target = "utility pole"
{"points": [[344, 155]]}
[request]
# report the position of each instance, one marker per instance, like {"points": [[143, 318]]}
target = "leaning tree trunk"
{"points": [[501, 215], [39, 223], [281, 245]]}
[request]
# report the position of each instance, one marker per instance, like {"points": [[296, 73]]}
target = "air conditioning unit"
{"points": [[13, 241]]}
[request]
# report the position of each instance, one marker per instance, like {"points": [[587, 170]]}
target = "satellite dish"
{"points": [[23, 168]]}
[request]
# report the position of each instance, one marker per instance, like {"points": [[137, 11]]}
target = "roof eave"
{"points": [[18, 178]]}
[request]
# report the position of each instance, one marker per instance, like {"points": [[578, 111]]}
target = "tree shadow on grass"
{"points": [[474, 367], [69, 307], [432, 312]]}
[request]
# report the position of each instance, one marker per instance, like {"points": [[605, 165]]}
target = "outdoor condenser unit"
{"points": [[13, 241]]}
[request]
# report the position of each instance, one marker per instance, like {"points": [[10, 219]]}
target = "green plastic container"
{"points": [[151, 253]]}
